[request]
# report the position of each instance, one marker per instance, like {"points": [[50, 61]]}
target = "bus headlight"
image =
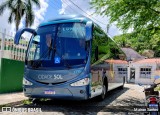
{"points": [[26, 82], [81, 82]]}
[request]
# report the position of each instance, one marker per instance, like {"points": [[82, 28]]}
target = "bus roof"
{"points": [[67, 18]]}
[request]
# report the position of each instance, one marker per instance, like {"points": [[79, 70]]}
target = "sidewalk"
{"points": [[11, 97]]}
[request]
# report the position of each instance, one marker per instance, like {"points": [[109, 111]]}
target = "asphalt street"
{"points": [[117, 101]]}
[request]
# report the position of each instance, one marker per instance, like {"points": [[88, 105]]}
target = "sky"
{"points": [[51, 9]]}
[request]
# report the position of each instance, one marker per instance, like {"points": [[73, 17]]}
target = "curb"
{"points": [[12, 103]]}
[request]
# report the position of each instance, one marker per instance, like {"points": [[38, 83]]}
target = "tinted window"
{"points": [[58, 45], [107, 48]]}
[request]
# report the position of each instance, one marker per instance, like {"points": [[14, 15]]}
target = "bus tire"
{"points": [[30, 99], [104, 90], [35, 101]]}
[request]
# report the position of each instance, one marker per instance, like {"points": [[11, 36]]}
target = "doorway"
{"points": [[132, 75]]}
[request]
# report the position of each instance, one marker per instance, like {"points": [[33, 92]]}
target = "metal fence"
{"points": [[11, 62], [8, 49]]}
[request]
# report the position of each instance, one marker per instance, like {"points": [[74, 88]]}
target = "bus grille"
{"points": [[51, 83]]}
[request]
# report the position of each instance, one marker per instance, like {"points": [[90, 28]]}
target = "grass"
{"points": [[27, 102], [12, 104], [157, 88]]}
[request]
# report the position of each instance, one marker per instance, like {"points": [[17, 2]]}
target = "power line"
{"points": [[65, 2], [86, 12], [73, 10]]}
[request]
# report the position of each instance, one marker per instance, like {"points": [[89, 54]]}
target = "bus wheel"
{"points": [[103, 95], [35, 101], [30, 99], [122, 87], [104, 91]]}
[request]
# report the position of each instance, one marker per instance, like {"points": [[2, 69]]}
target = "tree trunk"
{"points": [[17, 24], [26, 21]]}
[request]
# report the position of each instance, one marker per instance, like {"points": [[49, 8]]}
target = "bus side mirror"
{"points": [[89, 30], [20, 32]]}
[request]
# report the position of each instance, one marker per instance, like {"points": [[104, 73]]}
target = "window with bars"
{"points": [[122, 70], [145, 72]]}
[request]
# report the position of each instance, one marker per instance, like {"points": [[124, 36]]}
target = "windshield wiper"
{"points": [[38, 62], [44, 55]]}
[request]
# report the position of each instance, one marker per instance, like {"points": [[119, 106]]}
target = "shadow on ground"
{"points": [[88, 106]]}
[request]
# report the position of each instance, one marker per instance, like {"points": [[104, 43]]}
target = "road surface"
{"points": [[117, 102]]}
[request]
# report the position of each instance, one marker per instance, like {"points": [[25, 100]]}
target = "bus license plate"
{"points": [[153, 106], [49, 92]]}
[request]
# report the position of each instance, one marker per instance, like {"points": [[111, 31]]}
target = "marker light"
{"points": [[81, 82]]}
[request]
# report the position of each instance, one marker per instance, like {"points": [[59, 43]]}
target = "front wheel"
{"points": [[103, 95], [35, 100], [122, 87]]}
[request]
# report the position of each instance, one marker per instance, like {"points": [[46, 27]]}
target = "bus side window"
{"points": [[94, 44], [99, 45]]}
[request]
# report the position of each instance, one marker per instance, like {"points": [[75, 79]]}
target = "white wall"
{"points": [[116, 66], [137, 67]]}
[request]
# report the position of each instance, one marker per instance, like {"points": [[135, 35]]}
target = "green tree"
{"points": [[122, 40], [140, 44], [16, 10], [29, 14], [19, 8], [143, 16]]}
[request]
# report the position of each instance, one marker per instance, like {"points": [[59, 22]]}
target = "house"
{"points": [[141, 70], [119, 67], [144, 71]]}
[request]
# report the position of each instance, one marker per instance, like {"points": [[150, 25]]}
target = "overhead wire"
{"points": [[86, 12], [65, 2], [71, 9]]}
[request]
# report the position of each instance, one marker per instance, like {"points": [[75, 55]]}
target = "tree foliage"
{"points": [[29, 14], [143, 16], [18, 9], [140, 44]]}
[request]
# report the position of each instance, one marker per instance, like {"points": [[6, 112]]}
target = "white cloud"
{"points": [[70, 8], [39, 13], [39, 16]]}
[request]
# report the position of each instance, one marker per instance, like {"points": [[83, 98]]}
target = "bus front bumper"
{"points": [[67, 93]]}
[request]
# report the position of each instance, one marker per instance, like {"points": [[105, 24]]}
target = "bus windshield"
{"points": [[58, 45]]}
